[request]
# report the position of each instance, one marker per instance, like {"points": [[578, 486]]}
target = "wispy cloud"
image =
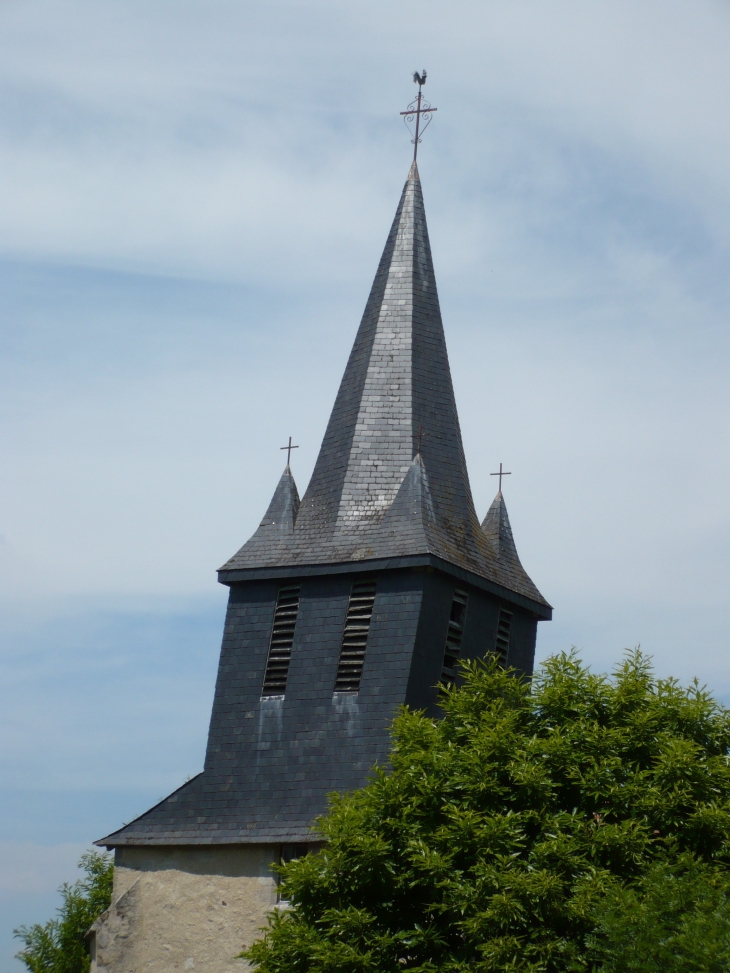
{"points": [[196, 199]]}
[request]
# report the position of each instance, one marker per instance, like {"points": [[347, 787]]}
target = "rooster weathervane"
{"points": [[418, 107]]}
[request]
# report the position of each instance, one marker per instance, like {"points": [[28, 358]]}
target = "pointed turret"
{"points": [[275, 531], [498, 532], [411, 515]]}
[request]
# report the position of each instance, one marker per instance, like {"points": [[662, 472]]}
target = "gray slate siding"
{"points": [[272, 762], [522, 642]]}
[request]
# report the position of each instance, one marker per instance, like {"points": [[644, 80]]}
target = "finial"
{"points": [[419, 106], [288, 449], [420, 433], [500, 475]]}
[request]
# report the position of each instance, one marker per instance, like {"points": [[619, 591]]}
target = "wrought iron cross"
{"points": [[288, 449], [419, 106], [420, 439], [500, 475]]}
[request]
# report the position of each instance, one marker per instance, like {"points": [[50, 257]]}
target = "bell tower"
{"points": [[359, 598]]}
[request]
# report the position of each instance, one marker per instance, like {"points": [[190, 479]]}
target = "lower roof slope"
{"points": [[195, 814]]}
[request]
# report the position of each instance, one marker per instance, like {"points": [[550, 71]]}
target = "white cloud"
{"points": [[201, 141]]}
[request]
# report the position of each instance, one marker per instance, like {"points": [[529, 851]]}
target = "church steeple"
{"points": [[342, 609], [396, 399]]}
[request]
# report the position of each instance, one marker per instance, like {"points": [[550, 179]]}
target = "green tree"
{"points": [[60, 946], [498, 832], [674, 919]]}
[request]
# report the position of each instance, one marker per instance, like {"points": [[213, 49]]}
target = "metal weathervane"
{"points": [[418, 107]]}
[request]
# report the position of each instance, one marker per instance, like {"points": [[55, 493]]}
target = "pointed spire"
{"points": [[498, 532], [284, 506], [397, 380], [368, 497], [273, 535]]}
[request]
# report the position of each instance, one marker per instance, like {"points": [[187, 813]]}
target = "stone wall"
{"points": [[184, 908]]}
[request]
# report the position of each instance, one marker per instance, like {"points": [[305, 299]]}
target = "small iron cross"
{"points": [[420, 440], [500, 475], [288, 449], [417, 108]]}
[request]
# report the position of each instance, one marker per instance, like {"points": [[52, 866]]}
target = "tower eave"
{"points": [[539, 608]]}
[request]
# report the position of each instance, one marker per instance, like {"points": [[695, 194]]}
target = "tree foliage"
{"points": [[498, 834], [60, 945], [674, 919]]}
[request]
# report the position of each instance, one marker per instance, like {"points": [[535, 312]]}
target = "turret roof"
{"points": [[273, 537], [498, 532]]}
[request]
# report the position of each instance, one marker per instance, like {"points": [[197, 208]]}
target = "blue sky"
{"points": [[195, 200]]}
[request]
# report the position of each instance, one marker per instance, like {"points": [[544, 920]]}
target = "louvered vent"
{"points": [[282, 637], [355, 637], [455, 634], [503, 629]]}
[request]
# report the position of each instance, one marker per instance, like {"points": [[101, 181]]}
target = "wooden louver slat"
{"points": [[282, 638], [504, 626], [355, 637], [454, 636]]}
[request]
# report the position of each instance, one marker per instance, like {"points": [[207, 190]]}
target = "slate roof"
{"points": [[274, 534], [498, 532], [370, 497]]}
